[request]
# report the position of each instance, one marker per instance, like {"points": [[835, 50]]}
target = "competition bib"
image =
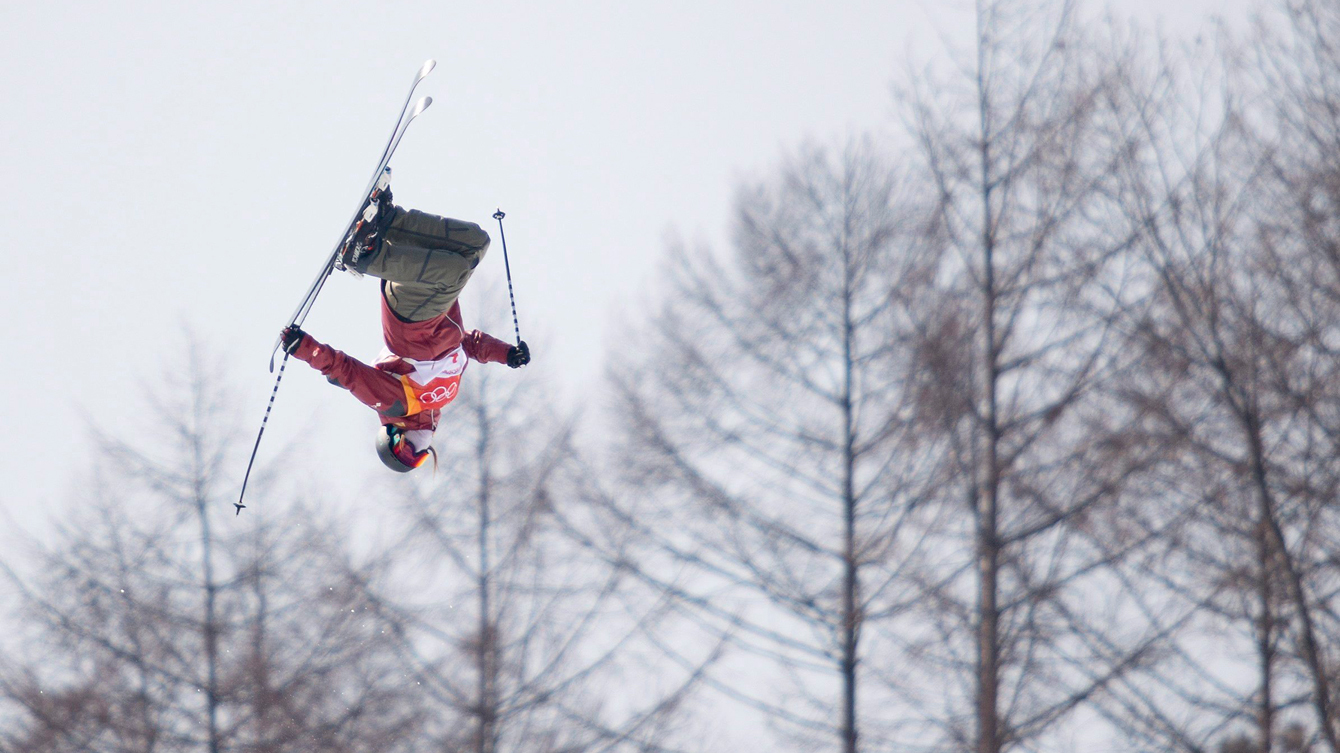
{"points": [[433, 384]]}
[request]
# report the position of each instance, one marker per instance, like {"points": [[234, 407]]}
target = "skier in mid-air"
{"points": [[423, 262]]}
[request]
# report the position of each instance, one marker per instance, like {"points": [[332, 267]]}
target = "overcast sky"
{"points": [[169, 168]]}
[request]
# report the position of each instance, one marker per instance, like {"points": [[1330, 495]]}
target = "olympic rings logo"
{"points": [[441, 394]]}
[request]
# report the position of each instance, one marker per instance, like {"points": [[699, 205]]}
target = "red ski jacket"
{"points": [[434, 351]]}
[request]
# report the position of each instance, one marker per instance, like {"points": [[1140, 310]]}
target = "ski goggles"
{"points": [[404, 452], [396, 452]]}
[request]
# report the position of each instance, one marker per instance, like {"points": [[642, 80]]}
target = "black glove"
{"points": [[291, 337], [519, 355]]}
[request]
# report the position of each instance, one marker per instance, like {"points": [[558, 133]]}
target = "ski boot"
{"points": [[364, 240]]}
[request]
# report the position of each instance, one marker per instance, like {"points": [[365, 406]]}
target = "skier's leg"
{"points": [[426, 260]]}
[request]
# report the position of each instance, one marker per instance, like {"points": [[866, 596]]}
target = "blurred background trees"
{"points": [[1015, 432], [156, 622], [517, 638], [758, 435]]}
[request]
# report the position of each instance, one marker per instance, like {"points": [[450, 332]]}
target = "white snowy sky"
{"points": [[174, 166]]}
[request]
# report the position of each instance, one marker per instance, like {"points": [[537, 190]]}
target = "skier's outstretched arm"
{"points": [[486, 348], [373, 387]]}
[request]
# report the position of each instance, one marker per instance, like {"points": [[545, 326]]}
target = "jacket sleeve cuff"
{"points": [[305, 349]]}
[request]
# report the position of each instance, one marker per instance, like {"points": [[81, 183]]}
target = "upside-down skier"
{"points": [[423, 262]]}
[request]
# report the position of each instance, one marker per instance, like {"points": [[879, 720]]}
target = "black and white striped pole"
{"points": [[238, 504], [499, 215]]}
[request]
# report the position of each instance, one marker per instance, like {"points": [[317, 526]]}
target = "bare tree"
{"points": [[1016, 357], [519, 639], [153, 631], [761, 492], [1238, 384]]}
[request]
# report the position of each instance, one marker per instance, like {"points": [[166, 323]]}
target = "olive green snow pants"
{"points": [[426, 261]]}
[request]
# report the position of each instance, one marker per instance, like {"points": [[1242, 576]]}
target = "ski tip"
{"points": [[420, 106], [427, 68]]}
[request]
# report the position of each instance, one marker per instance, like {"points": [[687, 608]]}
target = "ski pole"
{"points": [[499, 215], [238, 504]]}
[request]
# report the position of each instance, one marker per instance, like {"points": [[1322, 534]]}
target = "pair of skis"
{"points": [[402, 125], [370, 192]]}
